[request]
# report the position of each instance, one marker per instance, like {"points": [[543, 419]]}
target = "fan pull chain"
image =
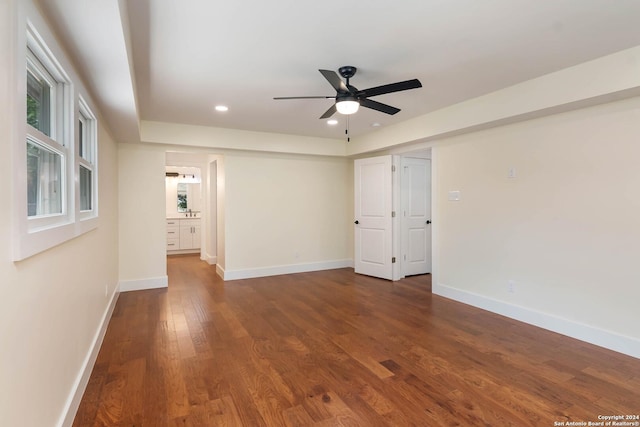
{"points": [[346, 131]]}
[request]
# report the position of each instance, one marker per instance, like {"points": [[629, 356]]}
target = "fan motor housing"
{"points": [[347, 71]]}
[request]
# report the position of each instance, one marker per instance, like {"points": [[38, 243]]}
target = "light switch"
{"points": [[511, 173], [454, 195]]}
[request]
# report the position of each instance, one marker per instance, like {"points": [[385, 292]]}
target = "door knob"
{"points": [[428, 221], [357, 222]]}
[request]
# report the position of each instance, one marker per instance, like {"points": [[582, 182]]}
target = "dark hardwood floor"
{"points": [[334, 348]]}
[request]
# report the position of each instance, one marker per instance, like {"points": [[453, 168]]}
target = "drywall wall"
{"points": [[234, 139], [602, 80], [286, 212], [220, 214], [142, 201], [546, 228], [52, 304]]}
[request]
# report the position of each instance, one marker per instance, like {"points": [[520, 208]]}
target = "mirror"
{"points": [[182, 197]]}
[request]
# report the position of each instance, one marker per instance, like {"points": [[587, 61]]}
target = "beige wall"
{"points": [[52, 303], [142, 248], [224, 139], [609, 78], [220, 214], [565, 229], [284, 210], [274, 211], [143, 202]]}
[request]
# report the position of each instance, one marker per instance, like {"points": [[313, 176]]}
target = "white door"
{"points": [[416, 216], [373, 228]]}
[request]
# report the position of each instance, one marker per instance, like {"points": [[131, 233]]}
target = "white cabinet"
{"points": [[173, 234], [190, 234], [183, 234]]}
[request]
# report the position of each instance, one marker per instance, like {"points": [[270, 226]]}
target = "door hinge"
{"points": [[393, 260], [393, 168], [393, 214]]}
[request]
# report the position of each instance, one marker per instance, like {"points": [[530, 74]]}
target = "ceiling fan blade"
{"points": [[304, 97], [378, 106], [335, 80], [393, 87], [330, 112]]}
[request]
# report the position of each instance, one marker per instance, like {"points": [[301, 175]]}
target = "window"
{"points": [[55, 154], [44, 180], [86, 201], [46, 148], [81, 135], [38, 102], [86, 155]]}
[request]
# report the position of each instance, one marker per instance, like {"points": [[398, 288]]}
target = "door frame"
{"points": [[428, 153]]}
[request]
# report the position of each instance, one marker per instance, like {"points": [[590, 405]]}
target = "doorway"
{"points": [[192, 204], [392, 208], [415, 215], [185, 209]]}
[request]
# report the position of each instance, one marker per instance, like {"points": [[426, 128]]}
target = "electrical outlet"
{"points": [[454, 195], [511, 286]]}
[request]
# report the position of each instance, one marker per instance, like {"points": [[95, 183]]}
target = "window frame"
{"points": [[41, 62], [47, 219], [35, 68], [37, 49], [87, 154]]}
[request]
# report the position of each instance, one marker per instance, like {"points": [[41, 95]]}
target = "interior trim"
{"points": [[142, 284], [80, 384], [284, 269], [600, 337]]}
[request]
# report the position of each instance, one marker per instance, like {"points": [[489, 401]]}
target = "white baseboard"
{"points": [[282, 269], [600, 337], [210, 259], [220, 271], [183, 252], [80, 385], [143, 284]]}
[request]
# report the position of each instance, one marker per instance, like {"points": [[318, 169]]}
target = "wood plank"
{"points": [[333, 348]]}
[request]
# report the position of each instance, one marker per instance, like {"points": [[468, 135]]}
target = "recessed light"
{"points": [[332, 122], [222, 108], [376, 125]]}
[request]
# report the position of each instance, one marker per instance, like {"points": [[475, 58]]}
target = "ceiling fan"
{"points": [[349, 98]]}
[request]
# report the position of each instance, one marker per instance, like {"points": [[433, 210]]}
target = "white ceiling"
{"points": [[187, 56]]}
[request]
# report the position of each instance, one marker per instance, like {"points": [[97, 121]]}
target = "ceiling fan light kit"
{"points": [[348, 98], [347, 105]]}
